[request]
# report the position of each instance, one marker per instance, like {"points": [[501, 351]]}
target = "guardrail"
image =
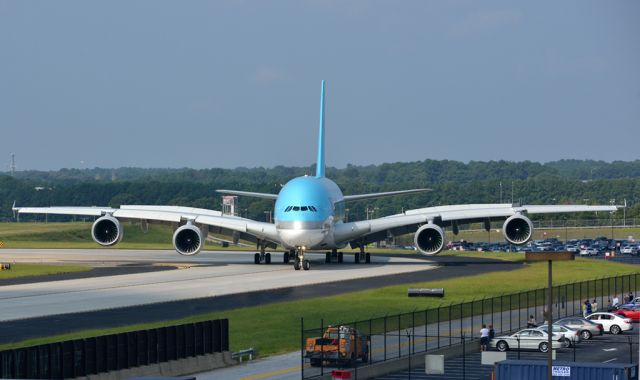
{"points": [[250, 352]]}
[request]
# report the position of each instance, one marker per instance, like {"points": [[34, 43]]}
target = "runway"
{"points": [[211, 281]]}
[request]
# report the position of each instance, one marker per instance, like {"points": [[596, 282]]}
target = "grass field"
{"points": [[25, 270], [275, 328]]}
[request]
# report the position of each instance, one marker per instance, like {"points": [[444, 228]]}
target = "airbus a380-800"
{"points": [[309, 215]]}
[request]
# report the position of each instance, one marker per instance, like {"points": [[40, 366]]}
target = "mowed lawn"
{"points": [[275, 328], [26, 270]]}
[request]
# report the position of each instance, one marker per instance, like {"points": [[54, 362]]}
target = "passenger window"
{"points": [[304, 208], [296, 208], [603, 316], [536, 333]]}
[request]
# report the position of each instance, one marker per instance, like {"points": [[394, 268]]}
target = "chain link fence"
{"points": [[390, 337]]}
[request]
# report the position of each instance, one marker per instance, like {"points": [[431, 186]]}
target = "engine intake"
{"points": [[187, 240], [107, 231], [429, 239], [517, 229]]}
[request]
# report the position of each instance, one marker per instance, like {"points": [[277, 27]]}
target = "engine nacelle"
{"points": [[517, 229], [107, 231], [187, 240], [429, 239]]}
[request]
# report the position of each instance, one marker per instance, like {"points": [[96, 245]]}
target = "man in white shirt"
{"points": [[616, 301], [484, 338]]}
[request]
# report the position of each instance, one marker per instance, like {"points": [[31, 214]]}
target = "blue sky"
{"points": [[236, 83]]}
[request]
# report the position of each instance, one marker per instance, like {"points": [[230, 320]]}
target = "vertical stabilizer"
{"points": [[320, 162]]}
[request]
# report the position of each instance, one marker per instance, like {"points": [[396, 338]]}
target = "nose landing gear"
{"points": [[301, 262]]}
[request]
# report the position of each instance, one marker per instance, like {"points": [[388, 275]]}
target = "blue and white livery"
{"points": [[309, 215]]}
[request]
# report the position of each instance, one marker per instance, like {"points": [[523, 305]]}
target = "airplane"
{"points": [[309, 214]]}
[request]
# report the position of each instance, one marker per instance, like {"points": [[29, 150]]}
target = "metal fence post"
{"points": [[302, 347], [450, 338], [385, 338], [399, 338], [370, 348], [426, 331], [510, 318], [438, 323], [322, 347], [501, 314]]}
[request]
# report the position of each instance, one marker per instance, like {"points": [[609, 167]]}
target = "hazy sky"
{"points": [[236, 83]]}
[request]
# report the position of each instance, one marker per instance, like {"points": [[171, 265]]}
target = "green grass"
{"points": [[25, 270], [275, 328]]}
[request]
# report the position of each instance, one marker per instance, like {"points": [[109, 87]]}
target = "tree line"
{"points": [[452, 182]]}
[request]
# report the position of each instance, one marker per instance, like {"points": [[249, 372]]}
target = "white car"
{"points": [[527, 339], [570, 336], [613, 323], [589, 252]]}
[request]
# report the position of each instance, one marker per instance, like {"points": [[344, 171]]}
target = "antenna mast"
{"points": [[12, 168]]}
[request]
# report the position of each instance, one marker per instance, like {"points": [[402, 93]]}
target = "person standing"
{"points": [[594, 305], [531, 323], [484, 338], [616, 301], [589, 307], [630, 298]]}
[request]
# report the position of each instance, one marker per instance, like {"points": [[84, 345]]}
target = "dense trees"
{"points": [[562, 182]]}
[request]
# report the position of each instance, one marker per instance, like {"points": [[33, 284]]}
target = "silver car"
{"points": [[527, 339], [587, 328], [570, 336]]}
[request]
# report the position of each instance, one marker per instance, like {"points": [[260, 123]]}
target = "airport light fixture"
{"points": [[549, 257]]}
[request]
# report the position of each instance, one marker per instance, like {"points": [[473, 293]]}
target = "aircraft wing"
{"points": [[169, 214], [368, 231], [249, 194], [380, 195]]}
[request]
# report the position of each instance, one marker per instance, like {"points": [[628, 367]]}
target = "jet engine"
{"points": [[429, 239], [187, 240], [107, 231], [517, 229]]}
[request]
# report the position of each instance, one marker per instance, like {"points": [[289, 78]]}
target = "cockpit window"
{"points": [[300, 208]]}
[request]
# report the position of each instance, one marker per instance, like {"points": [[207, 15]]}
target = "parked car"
{"points": [[527, 339], [570, 336], [631, 312], [612, 323], [589, 252], [586, 327]]}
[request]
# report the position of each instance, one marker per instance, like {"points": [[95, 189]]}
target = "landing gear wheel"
{"points": [[327, 258], [356, 258], [340, 258], [267, 258], [367, 258], [285, 258], [306, 265], [296, 265], [256, 258]]}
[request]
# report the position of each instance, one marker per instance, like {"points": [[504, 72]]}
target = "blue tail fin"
{"points": [[320, 162]]}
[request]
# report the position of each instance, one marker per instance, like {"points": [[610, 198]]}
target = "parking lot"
{"points": [[607, 348]]}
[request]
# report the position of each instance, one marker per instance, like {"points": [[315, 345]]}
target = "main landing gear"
{"points": [[265, 257], [301, 262], [362, 256], [337, 257]]}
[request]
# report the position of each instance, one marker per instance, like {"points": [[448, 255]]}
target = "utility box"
{"points": [[434, 364]]}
